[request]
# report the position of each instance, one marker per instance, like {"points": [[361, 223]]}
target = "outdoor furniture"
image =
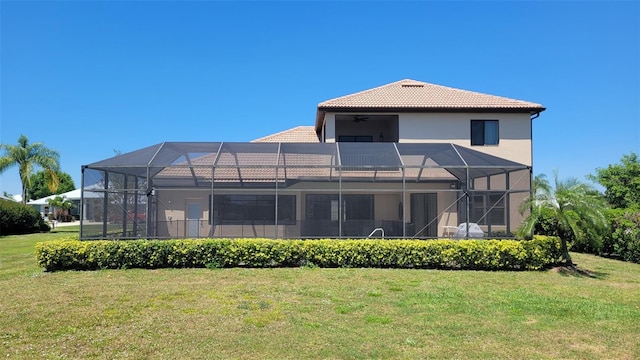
{"points": [[449, 230]]}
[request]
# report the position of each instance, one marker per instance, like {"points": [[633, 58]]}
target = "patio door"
{"points": [[424, 213], [323, 215], [194, 214], [357, 211]]}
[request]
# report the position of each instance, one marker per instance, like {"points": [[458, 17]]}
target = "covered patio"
{"points": [[302, 190]]}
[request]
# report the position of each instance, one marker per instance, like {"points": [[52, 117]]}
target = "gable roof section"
{"points": [[299, 134]]}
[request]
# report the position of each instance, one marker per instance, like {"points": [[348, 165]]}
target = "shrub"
{"points": [[590, 242], [17, 219], [624, 240], [215, 253], [547, 225]]}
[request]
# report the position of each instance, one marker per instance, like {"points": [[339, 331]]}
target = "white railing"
{"points": [[374, 231]]}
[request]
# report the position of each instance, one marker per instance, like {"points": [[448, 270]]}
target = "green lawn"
{"points": [[311, 313]]}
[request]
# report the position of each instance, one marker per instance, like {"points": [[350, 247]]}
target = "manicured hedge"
{"points": [[70, 254]]}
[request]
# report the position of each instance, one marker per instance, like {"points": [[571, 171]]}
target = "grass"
{"points": [[313, 313]]}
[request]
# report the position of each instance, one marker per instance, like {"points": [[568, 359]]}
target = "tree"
{"points": [[576, 208], [60, 206], [38, 187], [621, 182], [622, 191], [27, 156]]}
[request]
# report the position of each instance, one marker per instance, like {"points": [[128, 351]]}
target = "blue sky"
{"points": [[87, 78]]}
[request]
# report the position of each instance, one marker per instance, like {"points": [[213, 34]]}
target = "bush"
{"points": [[17, 219], [590, 242], [547, 225], [624, 240], [216, 253]]}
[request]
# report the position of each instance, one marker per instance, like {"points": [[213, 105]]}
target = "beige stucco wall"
{"points": [[171, 211], [386, 206], [514, 130], [330, 127]]}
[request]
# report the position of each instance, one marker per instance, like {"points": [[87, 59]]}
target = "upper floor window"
{"points": [[484, 132]]}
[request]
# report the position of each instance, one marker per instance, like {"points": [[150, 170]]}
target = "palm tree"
{"points": [[62, 203], [577, 209], [27, 156]]}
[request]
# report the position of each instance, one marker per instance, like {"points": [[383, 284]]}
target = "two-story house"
{"points": [[410, 159]]}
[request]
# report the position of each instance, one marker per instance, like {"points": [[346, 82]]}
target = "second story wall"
{"points": [[511, 131]]}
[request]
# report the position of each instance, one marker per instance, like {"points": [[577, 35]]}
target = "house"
{"points": [[408, 159], [42, 204], [14, 198], [91, 199]]}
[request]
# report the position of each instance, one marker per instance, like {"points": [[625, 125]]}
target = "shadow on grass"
{"points": [[576, 271]]}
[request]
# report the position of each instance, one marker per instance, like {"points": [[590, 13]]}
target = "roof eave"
{"points": [[324, 109]]}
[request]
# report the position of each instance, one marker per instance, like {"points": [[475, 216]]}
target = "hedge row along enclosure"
{"points": [[533, 254]]}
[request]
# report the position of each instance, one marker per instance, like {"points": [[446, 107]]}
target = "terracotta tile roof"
{"points": [[418, 95], [299, 134]]}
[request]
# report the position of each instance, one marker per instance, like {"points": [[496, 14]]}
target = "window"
{"points": [[489, 209], [358, 207], [260, 209], [355, 138], [325, 207], [322, 207], [484, 132]]}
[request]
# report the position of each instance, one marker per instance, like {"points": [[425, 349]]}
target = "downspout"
{"points": [[535, 116], [531, 190]]}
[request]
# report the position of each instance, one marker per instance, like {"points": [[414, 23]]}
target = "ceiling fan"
{"points": [[359, 118]]}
